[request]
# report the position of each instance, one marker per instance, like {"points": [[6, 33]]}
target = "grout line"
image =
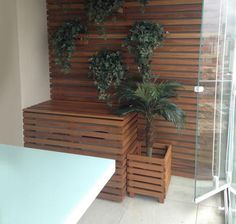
{"points": [[210, 206], [126, 209], [197, 214], [185, 202], [121, 218]]}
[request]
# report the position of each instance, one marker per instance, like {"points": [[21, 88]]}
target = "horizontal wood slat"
{"points": [[177, 60], [180, 18], [49, 126], [147, 175]]}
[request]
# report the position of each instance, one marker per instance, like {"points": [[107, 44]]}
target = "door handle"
{"points": [[198, 89]]}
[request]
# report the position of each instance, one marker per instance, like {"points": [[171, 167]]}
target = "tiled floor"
{"points": [[177, 209]]}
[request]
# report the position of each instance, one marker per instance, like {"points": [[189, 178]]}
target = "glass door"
{"points": [[214, 91], [232, 188], [232, 143], [213, 94]]}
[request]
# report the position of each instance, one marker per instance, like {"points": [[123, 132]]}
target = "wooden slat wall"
{"points": [[176, 60]]}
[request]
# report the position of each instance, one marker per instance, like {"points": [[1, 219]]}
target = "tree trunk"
{"points": [[149, 137]]}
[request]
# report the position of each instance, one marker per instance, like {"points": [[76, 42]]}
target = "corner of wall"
{"points": [[33, 51]]}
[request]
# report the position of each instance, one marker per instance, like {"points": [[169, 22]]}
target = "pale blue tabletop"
{"points": [[43, 187]]}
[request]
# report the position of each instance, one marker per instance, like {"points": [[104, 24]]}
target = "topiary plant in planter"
{"points": [[99, 10], [108, 72], [63, 42], [151, 100], [143, 39], [149, 167]]}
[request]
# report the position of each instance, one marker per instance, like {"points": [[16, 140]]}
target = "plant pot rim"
{"points": [[168, 147]]}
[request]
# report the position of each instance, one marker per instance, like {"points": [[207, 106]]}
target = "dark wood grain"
{"points": [[150, 176], [177, 60], [86, 129]]}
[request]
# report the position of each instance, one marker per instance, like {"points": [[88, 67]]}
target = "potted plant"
{"points": [[151, 100], [108, 72], [63, 42], [149, 168]]}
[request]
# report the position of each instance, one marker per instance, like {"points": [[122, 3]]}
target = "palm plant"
{"points": [[151, 100]]}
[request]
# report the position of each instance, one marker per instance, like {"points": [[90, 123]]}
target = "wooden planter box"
{"points": [[86, 129], [149, 176]]}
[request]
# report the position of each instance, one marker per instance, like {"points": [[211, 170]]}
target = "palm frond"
{"points": [[167, 89], [151, 100], [125, 92], [129, 109], [124, 110], [171, 112]]}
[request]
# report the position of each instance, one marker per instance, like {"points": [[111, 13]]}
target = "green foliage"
{"points": [[143, 39], [151, 100], [99, 10], [143, 2], [108, 71], [63, 42]]}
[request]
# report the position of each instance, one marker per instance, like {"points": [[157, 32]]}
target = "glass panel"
{"points": [[215, 75], [232, 204], [232, 156], [232, 138], [232, 209]]}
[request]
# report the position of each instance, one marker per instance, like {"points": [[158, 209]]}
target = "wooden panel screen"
{"points": [[176, 60]]}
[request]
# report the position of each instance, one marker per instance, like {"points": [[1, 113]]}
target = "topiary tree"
{"points": [[63, 42], [108, 71], [143, 39]]}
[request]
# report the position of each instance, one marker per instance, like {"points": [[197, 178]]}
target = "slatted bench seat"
{"points": [[86, 129]]}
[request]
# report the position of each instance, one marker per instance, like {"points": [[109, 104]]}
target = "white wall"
{"points": [[24, 75], [33, 51], [10, 92]]}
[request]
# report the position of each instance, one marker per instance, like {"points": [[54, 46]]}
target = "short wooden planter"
{"points": [[149, 176]]}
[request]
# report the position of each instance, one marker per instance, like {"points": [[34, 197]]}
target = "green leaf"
{"points": [[99, 10], [143, 39], [63, 42], [151, 100], [108, 72]]}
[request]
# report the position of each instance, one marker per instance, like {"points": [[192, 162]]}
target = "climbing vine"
{"points": [[99, 10], [143, 2], [63, 42], [108, 71], [143, 39]]}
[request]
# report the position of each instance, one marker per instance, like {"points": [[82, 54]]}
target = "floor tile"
{"points": [[214, 201], [141, 210], [209, 215], [104, 212], [181, 189], [177, 209], [182, 181], [173, 212]]}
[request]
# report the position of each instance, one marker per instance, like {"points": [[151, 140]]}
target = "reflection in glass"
{"points": [[215, 75]]}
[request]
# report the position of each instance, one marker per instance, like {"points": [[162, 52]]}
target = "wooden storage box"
{"points": [[86, 129], [149, 176]]}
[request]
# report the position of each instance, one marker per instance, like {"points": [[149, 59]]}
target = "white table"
{"points": [[43, 187]]}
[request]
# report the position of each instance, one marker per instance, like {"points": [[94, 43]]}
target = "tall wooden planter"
{"points": [[86, 129], [149, 176]]}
